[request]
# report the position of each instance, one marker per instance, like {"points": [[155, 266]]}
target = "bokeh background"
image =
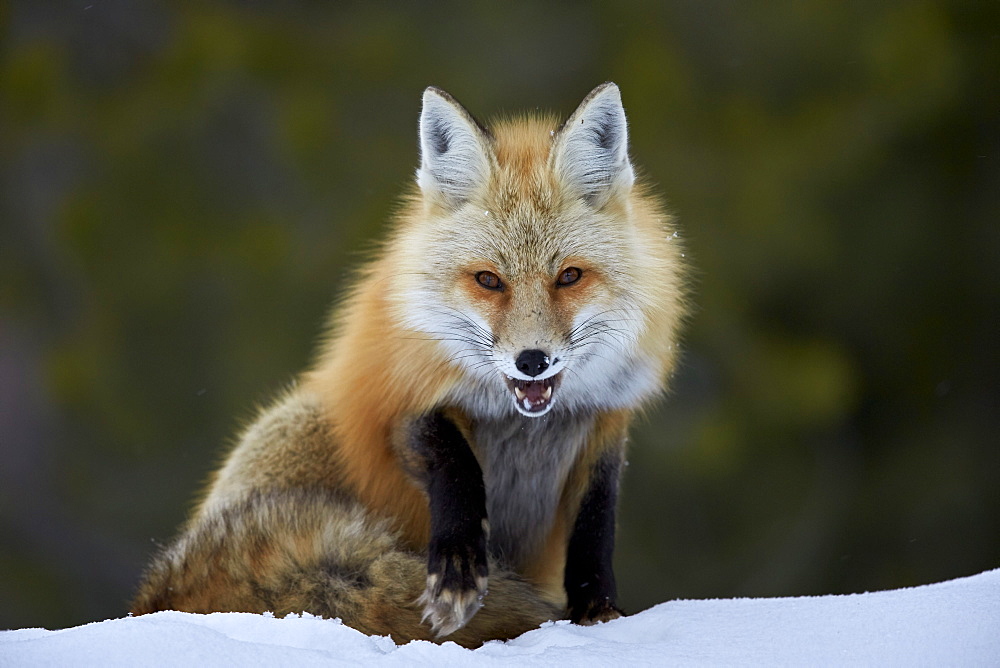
{"points": [[186, 186]]}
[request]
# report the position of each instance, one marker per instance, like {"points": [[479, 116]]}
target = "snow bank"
{"points": [[951, 623]]}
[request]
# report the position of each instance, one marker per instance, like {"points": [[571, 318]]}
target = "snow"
{"points": [[951, 623]]}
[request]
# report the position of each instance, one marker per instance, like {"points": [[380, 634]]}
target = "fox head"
{"points": [[532, 257]]}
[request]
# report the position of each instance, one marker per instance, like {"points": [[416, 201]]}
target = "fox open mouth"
{"points": [[532, 397]]}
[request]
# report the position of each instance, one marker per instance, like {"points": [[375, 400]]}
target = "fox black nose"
{"points": [[532, 362]]}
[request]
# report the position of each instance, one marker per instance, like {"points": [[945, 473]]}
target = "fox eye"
{"points": [[489, 280], [569, 276]]}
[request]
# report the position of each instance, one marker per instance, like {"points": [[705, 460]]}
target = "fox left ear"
{"points": [[455, 151], [590, 153]]}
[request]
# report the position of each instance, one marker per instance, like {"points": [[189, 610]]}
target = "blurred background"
{"points": [[186, 186]]}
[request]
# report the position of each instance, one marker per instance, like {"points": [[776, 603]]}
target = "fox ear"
{"points": [[590, 153], [455, 152]]}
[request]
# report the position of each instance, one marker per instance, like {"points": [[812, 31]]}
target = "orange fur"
{"points": [[322, 488]]}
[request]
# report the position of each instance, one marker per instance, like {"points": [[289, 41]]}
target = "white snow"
{"points": [[955, 623]]}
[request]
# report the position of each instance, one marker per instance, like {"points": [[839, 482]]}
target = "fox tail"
{"points": [[315, 551]]}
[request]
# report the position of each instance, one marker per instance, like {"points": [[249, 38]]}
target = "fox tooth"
{"points": [[547, 393], [519, 393]]}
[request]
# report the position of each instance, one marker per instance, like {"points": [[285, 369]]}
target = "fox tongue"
{"points": [[533, 395]]}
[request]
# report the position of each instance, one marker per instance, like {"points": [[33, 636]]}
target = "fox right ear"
{"points": [[455, 153], [590, 153]]}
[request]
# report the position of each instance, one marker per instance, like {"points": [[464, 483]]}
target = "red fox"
{"points": [[449, 467]]}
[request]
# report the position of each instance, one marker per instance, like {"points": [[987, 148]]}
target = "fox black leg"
{"points": [[589, 578], [456, 556]]}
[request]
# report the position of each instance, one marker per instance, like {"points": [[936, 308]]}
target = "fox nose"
{"points": [[532, 362]]}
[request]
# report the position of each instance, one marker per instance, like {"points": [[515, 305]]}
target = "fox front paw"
{"points": [[594, 612], [450, 608], [456, 584]]}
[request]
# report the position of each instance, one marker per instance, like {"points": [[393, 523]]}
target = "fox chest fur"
{"points": [[526, 464]]}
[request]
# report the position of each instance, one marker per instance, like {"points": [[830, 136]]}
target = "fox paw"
{"points": [[456, 584], [449, 609], [596, 611]]}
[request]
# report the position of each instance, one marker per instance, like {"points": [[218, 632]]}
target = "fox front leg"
{"points": [[589, 578], [456, 555]]}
